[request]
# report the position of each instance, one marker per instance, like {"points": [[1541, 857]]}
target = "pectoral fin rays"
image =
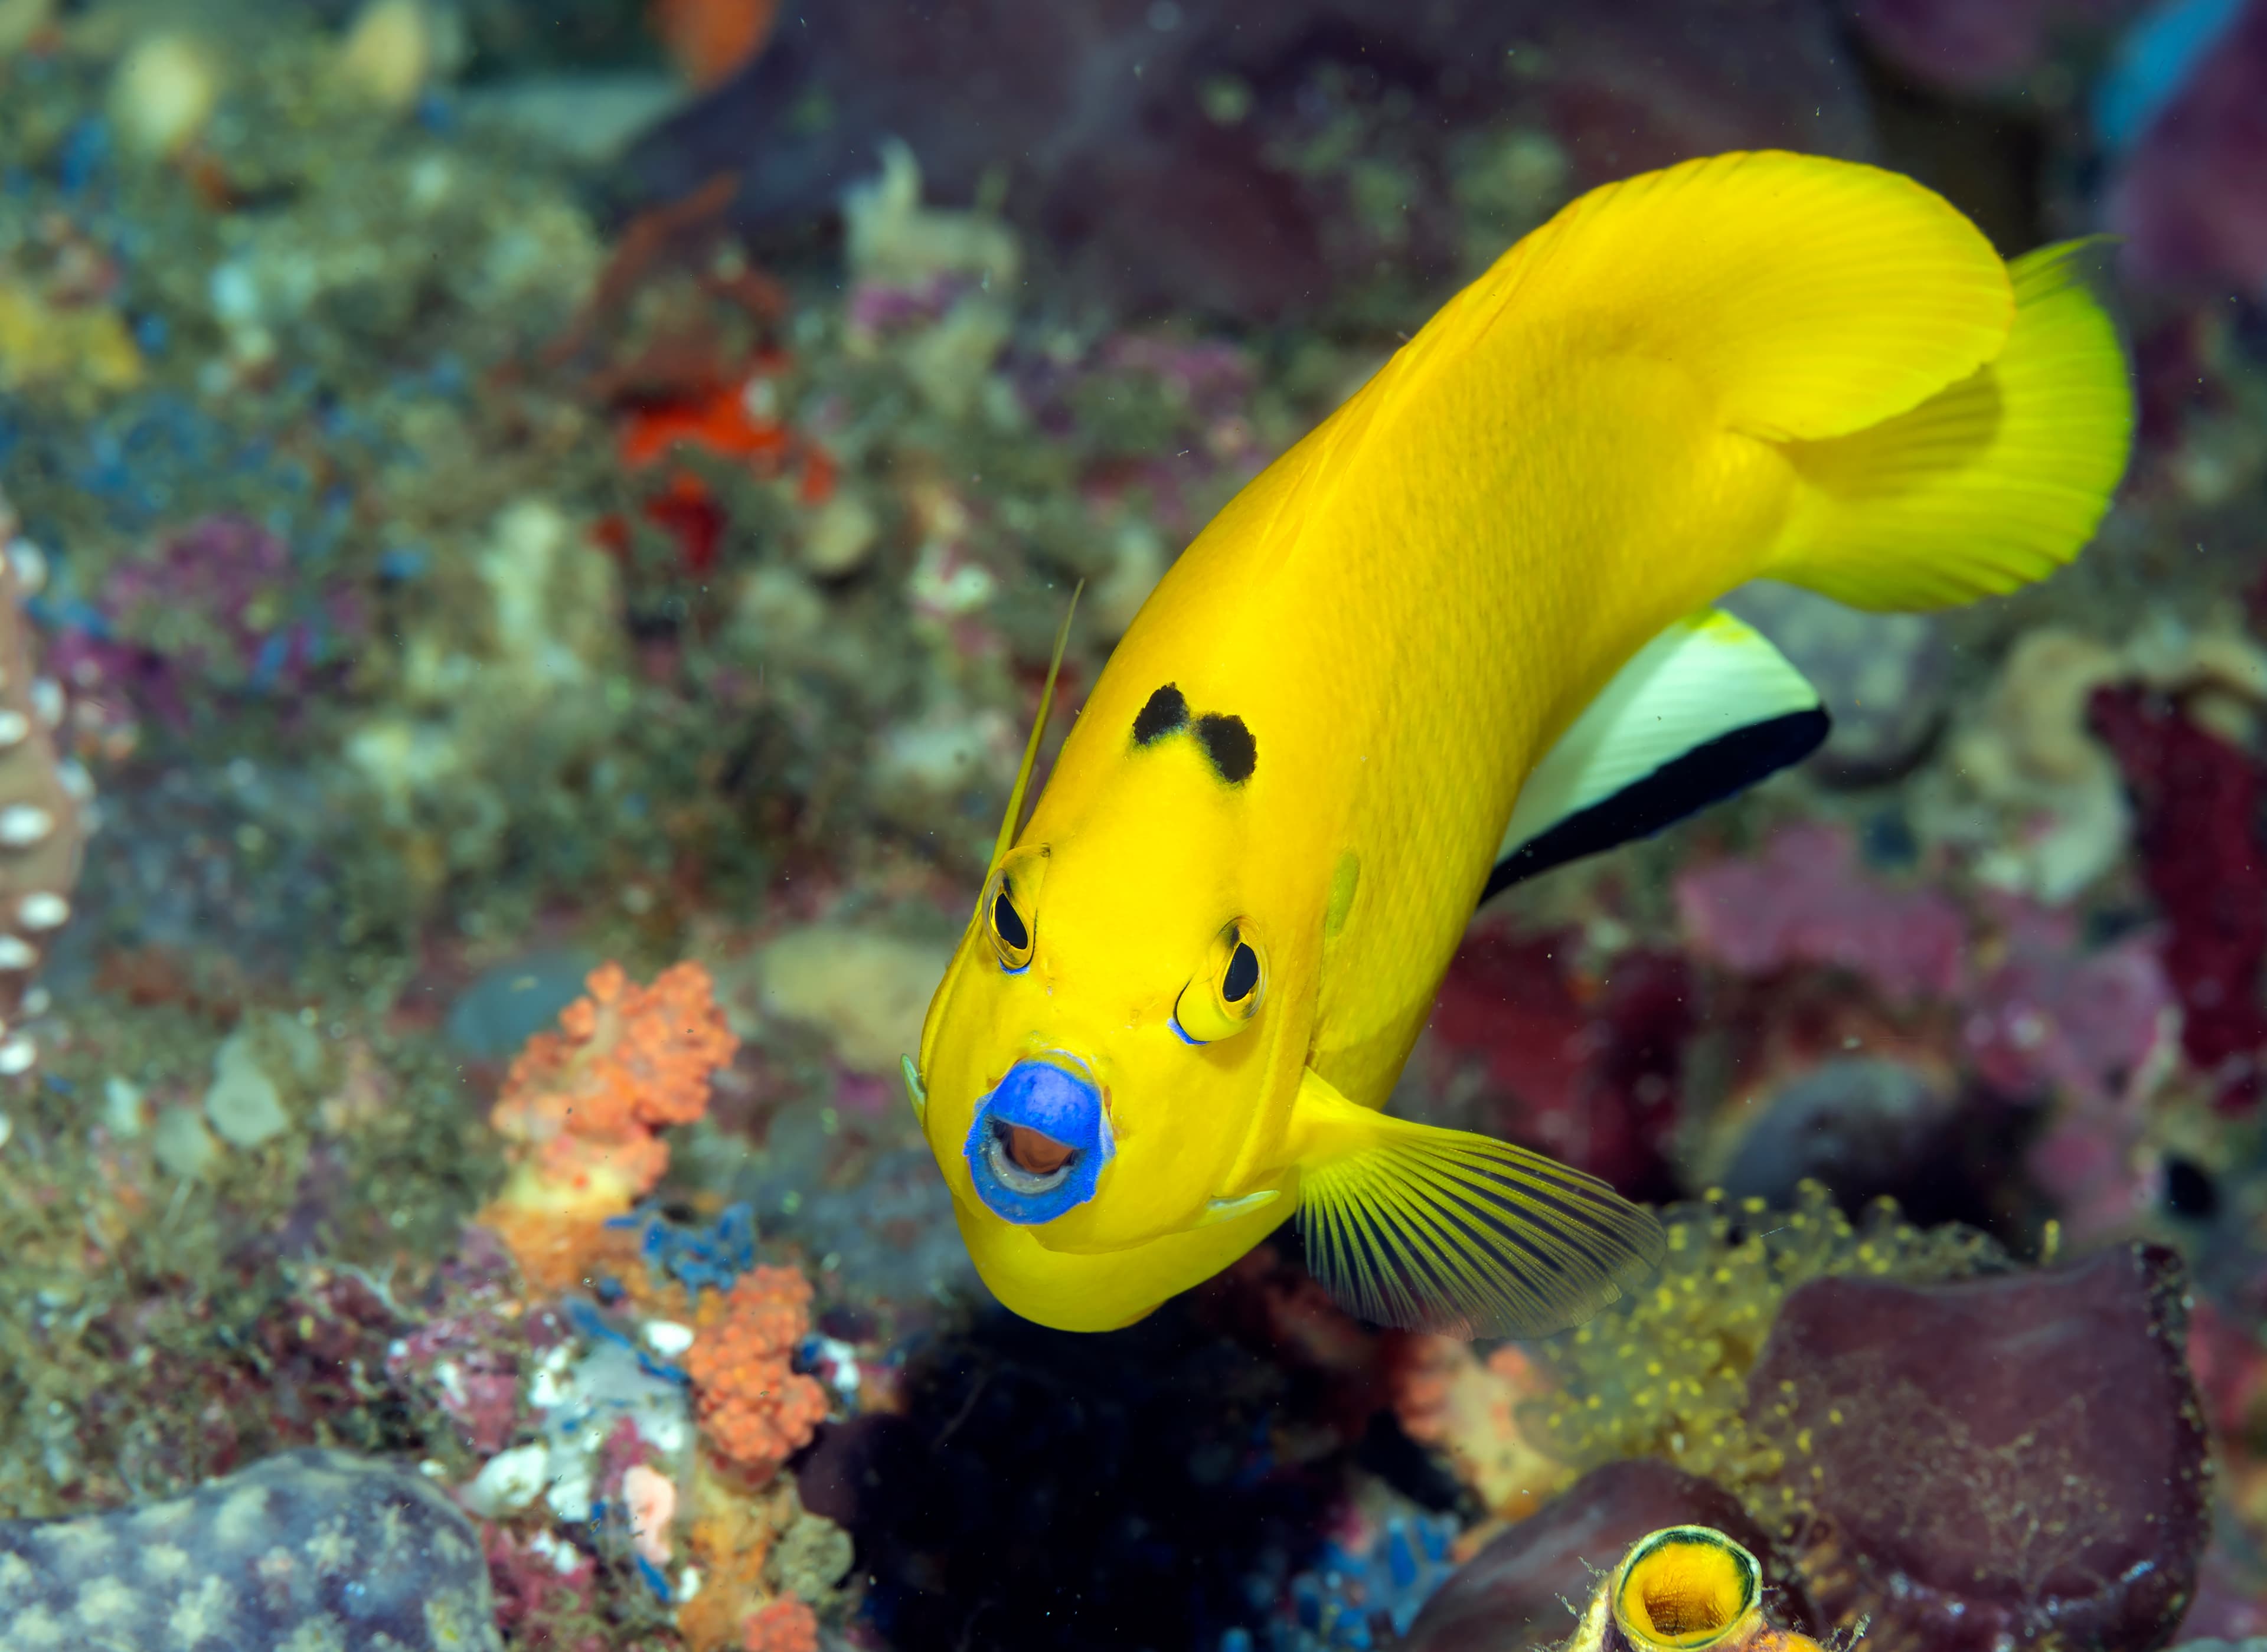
{"points": [[1445, 1230]]}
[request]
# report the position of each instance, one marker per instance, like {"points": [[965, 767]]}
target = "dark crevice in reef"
{"points": [[1044, 1491]]}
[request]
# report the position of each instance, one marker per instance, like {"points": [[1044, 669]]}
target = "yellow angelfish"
{"points": [[1458, 634]]}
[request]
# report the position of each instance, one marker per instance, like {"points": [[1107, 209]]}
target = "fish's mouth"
{"points": [[1040, 1141], [1029, 1160]]}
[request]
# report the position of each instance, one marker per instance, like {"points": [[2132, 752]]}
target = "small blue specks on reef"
{"points": [[311, 1549]]}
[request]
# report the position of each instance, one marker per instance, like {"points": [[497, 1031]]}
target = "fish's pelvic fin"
{"points": [[1444, 1231], [1230, 1210], [1995, 481], [1706, 709]]}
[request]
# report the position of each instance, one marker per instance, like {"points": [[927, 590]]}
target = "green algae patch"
{"points": [[174, 1301]]}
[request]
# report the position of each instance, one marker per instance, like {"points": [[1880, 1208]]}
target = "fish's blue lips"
{"points": [[1046, 1100]]}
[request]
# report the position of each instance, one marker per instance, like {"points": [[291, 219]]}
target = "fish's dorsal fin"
{"points": [[1015, 817], [1434, 1230], [1706, 709]]}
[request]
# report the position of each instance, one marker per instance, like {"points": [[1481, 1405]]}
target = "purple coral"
{"points": [[2190, 199], [1994, 1463], [2090, 1026], [214, 607], [1974, 45], [2197, 800]]}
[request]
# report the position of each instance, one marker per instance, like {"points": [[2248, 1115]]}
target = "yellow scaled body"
{"points": [[1754, 365]]}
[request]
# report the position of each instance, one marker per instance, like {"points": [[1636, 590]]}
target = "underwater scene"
{"points": [[1169, 825]]}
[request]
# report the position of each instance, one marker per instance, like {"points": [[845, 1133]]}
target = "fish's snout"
{"points": [[1040, 1141]]}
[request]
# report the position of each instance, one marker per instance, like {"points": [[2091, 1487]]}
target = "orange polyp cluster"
{"points": [[785, 1625], [710, 41], [717, 420], [584, 1104], [753, 1406]]}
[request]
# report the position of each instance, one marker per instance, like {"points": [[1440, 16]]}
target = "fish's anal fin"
{"points": [[1436, 1230], [1706, 709]]}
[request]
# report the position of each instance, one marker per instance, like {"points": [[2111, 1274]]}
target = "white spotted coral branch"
{"points": [[45, 814]]}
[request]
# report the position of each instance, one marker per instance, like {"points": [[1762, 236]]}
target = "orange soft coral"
{"points": [[1447, 1398], [785, 1625], [710, 41], [584, 1103], [753, 1405]]}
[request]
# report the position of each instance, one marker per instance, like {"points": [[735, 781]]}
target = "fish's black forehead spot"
{"points": [[1165, 710], [1228, 743]]}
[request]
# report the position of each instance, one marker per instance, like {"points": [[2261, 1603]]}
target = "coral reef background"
{"points": [[529, 538]]}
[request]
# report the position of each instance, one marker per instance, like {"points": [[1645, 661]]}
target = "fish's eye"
{"points": [[1011, 932], [1242, 979], [1223, 997]]}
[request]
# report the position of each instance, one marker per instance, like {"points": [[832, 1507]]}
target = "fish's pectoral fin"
{"points": [[1229, 1210], [916, 1091], [1437, 1229], [1706, 709]]}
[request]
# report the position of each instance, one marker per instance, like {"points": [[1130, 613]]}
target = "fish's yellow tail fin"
{"points": [[1809, 297], [1994, 481]]}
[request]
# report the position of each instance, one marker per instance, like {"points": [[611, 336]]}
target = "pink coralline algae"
{"points": [[545, 1592], [2038, 1015], [1805, 903], [465, 1351], [1591, 1079], [2197, 802], [2090, 1025], [2188, 200]]}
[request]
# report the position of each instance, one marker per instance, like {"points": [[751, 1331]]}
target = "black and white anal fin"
{"points": [[1706, 709]]}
